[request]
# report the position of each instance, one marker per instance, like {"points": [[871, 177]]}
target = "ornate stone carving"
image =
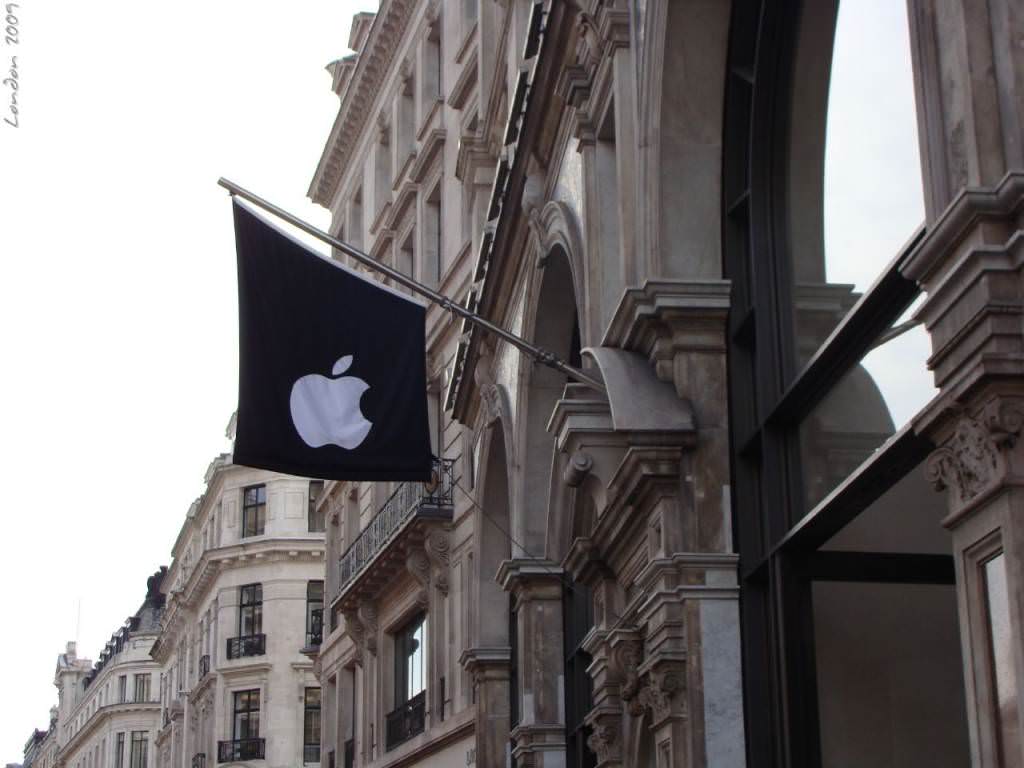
{"points": [[418, 565], [972, 460], [658, 693], [579, 466], [604, 740], [368, 616], [438, 548], [626, 659], [354, 629]]}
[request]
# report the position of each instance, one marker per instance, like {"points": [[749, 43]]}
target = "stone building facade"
{"points": [[731, 553], [107, 713], [244, 605]]}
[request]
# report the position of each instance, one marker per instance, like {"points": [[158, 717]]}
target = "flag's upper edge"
{"points": [[333, 262]]}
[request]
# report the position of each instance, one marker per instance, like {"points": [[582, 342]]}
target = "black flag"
{"points": [[332, 366]]}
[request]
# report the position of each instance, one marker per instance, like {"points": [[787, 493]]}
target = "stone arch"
{"points": [[682, 67], [554, 325]]}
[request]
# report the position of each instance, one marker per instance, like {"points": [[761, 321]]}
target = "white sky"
{"points": [[117, 274], [117, 289]]}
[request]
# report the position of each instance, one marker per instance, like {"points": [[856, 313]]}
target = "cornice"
{"points": [[373, 64], [101, 715]]}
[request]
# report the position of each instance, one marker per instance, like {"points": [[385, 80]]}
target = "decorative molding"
{"points": [[438, 550], [378, 50]]}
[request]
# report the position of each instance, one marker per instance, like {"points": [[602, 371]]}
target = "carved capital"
{"points": [[418, 565], [974, 458], [368, 618], [659, 693], [605, 737]]}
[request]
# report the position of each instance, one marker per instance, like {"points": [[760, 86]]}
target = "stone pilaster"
{"points": [[536, 591], [489, 669]]}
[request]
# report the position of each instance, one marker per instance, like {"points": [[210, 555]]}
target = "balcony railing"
{"points": [[311, 753], [199, 760], [204, 666], [350, 753], [247, 645], [408, 500], [241, 749], [406, 721]]}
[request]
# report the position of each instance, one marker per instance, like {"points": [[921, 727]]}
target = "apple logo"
{"points": [[326, 410]]}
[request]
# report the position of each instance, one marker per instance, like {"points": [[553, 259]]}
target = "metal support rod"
{"points": [[540, 355]]}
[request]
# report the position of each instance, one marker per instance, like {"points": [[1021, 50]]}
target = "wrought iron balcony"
{"points": [[204, 666], [199, 760], [406, 721], [241, 749], [310, 753], [433, 500], [247, 645]]}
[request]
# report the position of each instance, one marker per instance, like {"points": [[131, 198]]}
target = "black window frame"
{"points": [[140, 738], [314, 612], [778, 538], [310, 715], [250, 603], [316, 519], [143, 680], [254, 510], [245, 710]]}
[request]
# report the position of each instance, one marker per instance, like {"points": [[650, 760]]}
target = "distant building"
{"points": [[107, 712], [244, 601]]}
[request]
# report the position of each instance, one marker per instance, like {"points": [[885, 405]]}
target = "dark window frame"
{"points": [[140, 739], [250, 604], [254, 510], [119, 754], [316, 519], [314, 612], [311, 711], [246, 709]]}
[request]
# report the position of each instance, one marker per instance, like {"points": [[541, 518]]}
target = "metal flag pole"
{"points": [[539, 354]]}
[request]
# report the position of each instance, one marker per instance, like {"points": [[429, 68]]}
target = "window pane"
{"points": [[889, 675], [854, 195], [1002, 647]]}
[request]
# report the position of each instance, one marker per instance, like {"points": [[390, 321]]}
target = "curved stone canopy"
{"points": [[640, 402]]}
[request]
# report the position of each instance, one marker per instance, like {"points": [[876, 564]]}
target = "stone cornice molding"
{"points": [[101, 715], [372, 66], [971, 207], [428, 156]]}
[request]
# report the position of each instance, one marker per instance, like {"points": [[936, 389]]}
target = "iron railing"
{"points": [[204, 666], [247, 645], [311, 753], [199, 760], [350, 754], [409, 499], [241, 749], [406, 721]]}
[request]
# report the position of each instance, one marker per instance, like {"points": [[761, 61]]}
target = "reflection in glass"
{"points": [[1002, 646], [889, 676], [854, 176]]}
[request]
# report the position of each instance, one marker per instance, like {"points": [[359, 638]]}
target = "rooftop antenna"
{"points": [[78, 620]]}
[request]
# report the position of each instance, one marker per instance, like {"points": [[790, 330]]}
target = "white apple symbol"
{"points": [[326, 410]]}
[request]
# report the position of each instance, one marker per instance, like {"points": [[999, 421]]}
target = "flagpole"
{"points": [[539, 354]]}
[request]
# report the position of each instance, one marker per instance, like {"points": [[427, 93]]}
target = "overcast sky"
{"points": [[117, 284], [117, 289]]}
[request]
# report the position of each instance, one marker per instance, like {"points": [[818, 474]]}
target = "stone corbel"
{"points": [[660, 693], [354, 629], [605, 739], [367, 612], [438, 548], [418, 565]]}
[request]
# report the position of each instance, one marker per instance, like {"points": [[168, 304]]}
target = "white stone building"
{"points": [[107, 713], [244, 599]]}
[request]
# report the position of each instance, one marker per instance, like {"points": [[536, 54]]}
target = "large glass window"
{"points": [[122, 688], [246, 722], [851, 644], [119, 751], [311, 727], [250, 610], [254, 510], [140, 749]]}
